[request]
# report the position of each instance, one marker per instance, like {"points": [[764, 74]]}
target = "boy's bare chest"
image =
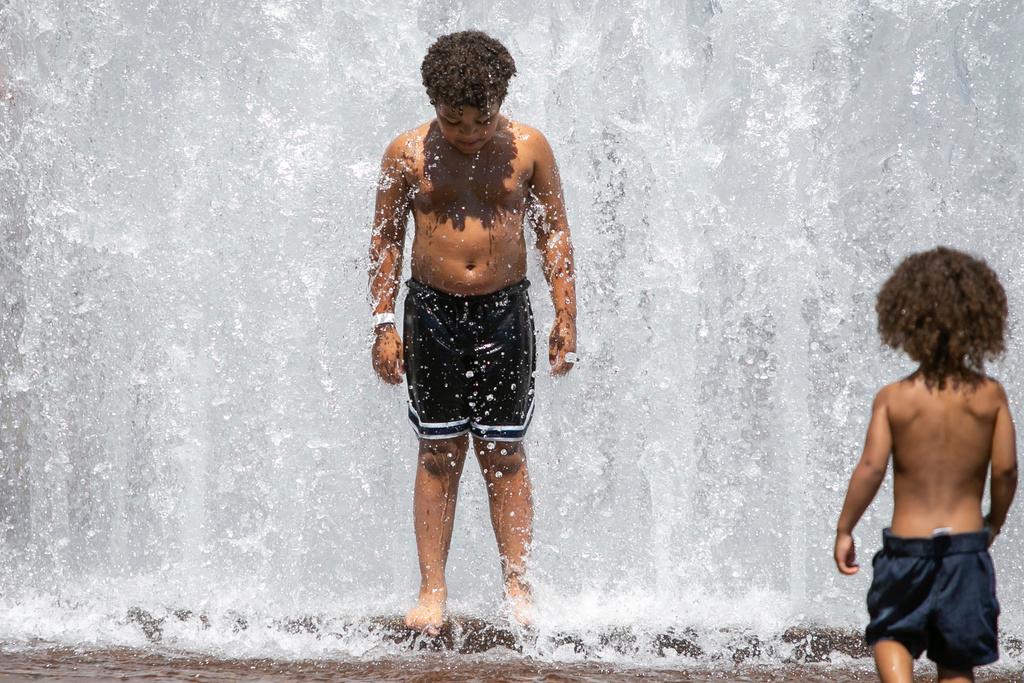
{"points": [[441, 191]]}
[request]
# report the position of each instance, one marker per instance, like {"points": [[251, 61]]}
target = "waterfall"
{"points": [[188, 418]]}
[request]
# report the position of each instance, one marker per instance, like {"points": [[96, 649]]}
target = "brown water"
{"points": [[135, 665]]}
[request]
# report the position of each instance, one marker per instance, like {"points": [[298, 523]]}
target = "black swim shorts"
{"points": [[937, 594], [469, 362]]}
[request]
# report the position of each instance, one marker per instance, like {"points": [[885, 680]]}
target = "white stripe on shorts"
{"points": [[436, 425], [506, 428]]}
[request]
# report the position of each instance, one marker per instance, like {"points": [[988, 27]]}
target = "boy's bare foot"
{"points": [[427, 616], [520, 599]]}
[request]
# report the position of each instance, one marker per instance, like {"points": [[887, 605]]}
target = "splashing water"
{"points": [[188, 419]]}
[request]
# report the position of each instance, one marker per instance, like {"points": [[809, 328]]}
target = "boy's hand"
{"points": [[387, 354], [563, 341], [846, 554]]}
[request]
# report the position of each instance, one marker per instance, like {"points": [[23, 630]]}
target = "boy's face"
{"points": [[467, 128]]}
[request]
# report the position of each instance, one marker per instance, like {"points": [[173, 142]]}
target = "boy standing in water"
{"points": [[946, 426], [469, 177]]}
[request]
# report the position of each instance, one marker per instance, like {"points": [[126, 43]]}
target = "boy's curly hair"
{"points": [[468, 68], [947, 310]]}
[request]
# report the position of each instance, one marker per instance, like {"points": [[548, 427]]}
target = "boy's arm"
{"points": [[386, 244], [1004, 467], [864, 482], [555, 246]]}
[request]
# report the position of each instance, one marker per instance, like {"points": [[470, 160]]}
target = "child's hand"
{"points": [[387, 354], [561, 343], [846, 554]]}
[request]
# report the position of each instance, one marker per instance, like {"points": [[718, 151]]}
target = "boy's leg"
{"points": [[894, 662], [437, 488], [509, 493], [947, 675]]}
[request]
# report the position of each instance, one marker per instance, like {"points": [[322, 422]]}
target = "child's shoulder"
{"points": [[529, 138], [892, 391], [984, 390], [994, 390], [403, 152], [524, 131], [406, 142]]}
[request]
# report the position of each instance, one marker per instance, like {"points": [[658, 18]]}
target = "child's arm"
{"points": [[386, 245], [864, 483], [553, 242], [1004, 468]]}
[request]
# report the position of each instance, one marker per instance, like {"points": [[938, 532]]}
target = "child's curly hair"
{"points": [[468, 68], [947, 310]]}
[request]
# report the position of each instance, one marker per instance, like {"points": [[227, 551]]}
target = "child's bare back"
{"points": [[942, 446], [946, 427]]}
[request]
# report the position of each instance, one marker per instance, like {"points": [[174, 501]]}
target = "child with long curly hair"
{"points": [[946, 427]]}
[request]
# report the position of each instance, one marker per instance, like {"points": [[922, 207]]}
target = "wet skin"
{"points": [[469, 214], [470, 178], [944, 444]]}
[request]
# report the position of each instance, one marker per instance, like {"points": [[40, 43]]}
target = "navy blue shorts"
{"points": [[469, 362], [937, 594]]}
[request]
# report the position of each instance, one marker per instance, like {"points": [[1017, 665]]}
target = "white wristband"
{"points": [[383, 319]]}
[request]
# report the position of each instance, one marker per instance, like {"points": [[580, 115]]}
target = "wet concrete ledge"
{"points": [[470, 635], [467, 635]]}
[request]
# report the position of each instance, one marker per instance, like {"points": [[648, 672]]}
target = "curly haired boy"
{"points": [[469, 177], [946, 426]]}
